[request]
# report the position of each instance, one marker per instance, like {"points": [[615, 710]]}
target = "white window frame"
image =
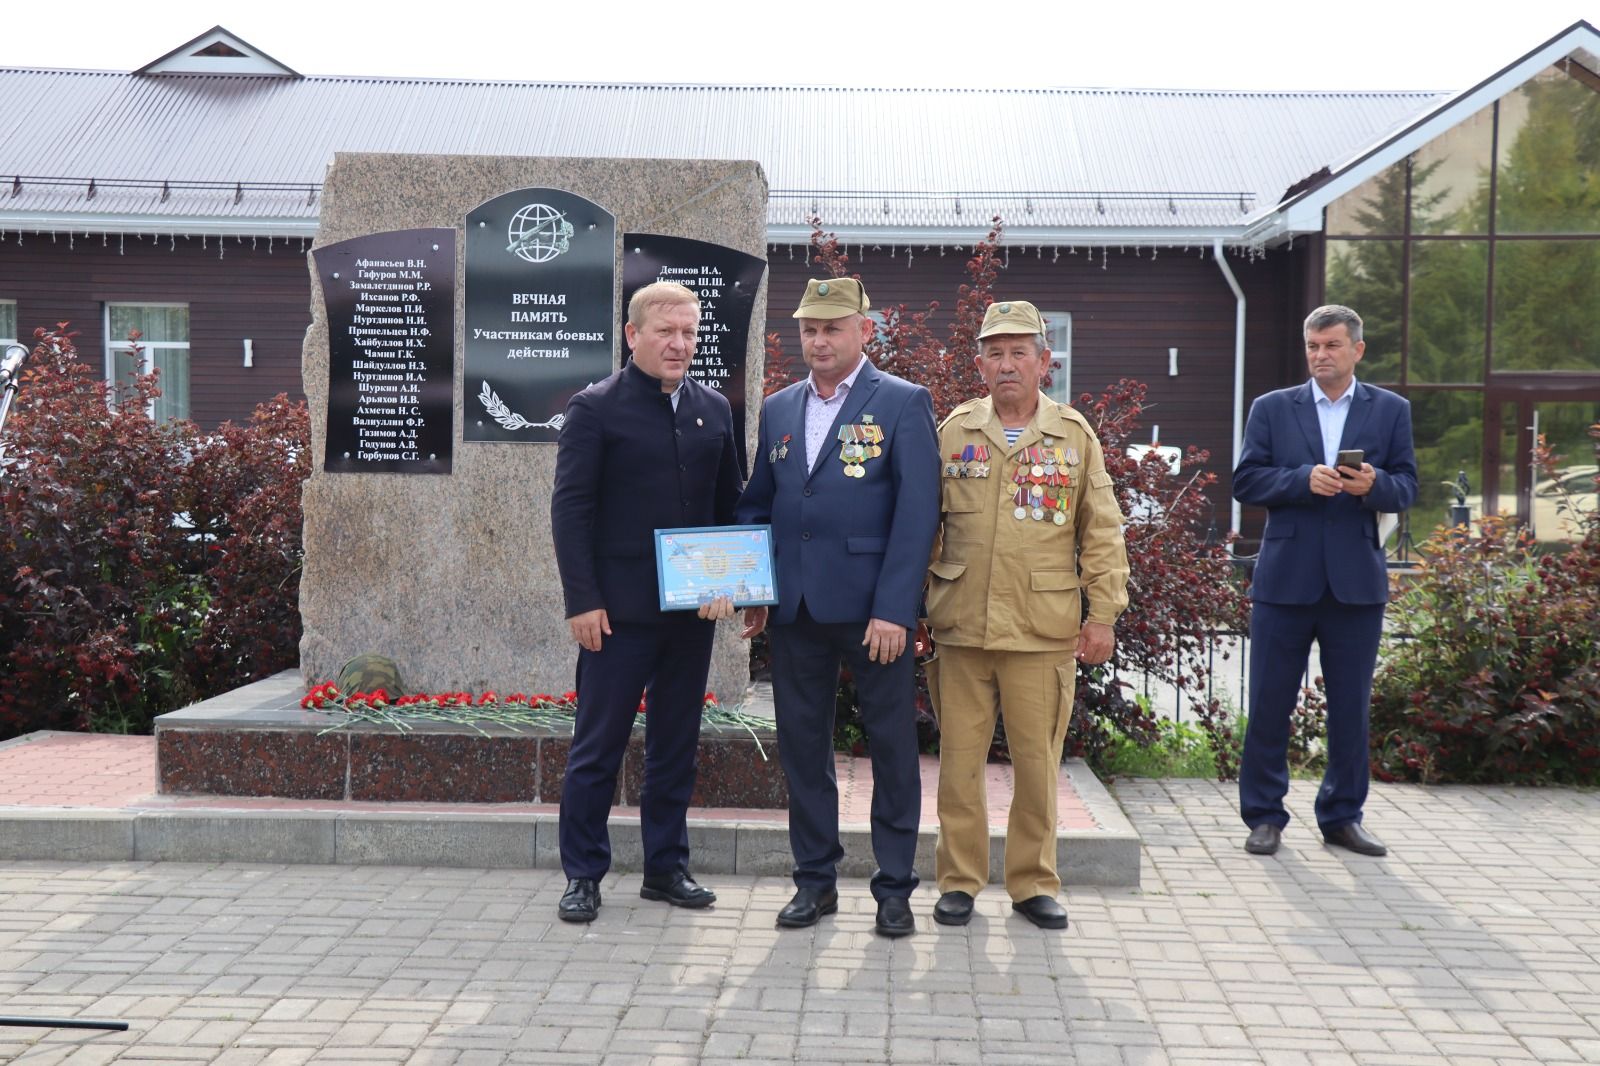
{"points": [[15, 325], [147, 347], [1058, 331]]}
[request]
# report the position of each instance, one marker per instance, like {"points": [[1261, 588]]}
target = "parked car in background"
{"points": [[1560, 503]]}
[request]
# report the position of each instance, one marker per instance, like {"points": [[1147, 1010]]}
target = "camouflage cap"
{"points": [[833, 298], [366, 673], [1011, 317]]}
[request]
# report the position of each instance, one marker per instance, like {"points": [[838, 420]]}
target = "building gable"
{"points": [[217, 51]]}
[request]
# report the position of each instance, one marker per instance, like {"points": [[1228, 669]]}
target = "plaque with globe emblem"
{"points": [[540, 311]]}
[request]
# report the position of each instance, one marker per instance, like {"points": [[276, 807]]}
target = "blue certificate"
{"points": [[695, 566]]}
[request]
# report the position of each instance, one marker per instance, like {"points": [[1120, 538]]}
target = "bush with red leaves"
{"points": [[143, 565]]}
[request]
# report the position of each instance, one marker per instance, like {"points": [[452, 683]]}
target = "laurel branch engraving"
{"points": [[509, 418]]}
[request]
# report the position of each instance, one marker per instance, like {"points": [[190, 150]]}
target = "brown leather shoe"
{"points": [[1264, 840], [1354, 838]]}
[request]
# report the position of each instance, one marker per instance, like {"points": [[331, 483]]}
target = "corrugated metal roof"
{"points": [[866, 159]]}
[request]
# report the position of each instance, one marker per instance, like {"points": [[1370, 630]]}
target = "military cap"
{"points": [[833, 298], [1011, 317]]}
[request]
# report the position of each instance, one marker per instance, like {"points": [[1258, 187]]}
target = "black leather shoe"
{"points": [[1042, 911], [894, 917], [678, 889], [953, 908], [581, 901], [1354, 838], [1264, 840], [807, 907]]}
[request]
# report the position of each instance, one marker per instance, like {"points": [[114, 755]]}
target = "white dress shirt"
{"points": [[1331, 416]]}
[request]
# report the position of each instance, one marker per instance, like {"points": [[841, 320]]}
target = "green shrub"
{"points": [[1190, 749], [1180, 749]]}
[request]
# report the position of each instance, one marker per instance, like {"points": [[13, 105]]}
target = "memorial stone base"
{"points": [[258, 741]]}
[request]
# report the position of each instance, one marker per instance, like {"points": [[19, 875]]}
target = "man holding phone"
{"points": [[1325, 459]]}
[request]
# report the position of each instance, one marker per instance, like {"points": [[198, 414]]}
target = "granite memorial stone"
{"points": [[454, 577]]}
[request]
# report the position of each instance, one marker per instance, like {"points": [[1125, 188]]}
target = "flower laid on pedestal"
{"points": [[513, 712]]}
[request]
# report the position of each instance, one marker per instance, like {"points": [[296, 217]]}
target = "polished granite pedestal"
{"points": [[258, 741]]}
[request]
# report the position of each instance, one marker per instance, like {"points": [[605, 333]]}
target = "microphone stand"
{"points": [[10, 367], [64, 1023]]}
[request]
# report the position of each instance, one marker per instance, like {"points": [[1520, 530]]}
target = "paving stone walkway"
{"points": [[1476, 942]]}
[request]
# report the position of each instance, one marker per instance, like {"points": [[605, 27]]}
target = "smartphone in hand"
{"points": [[1351, 457]]}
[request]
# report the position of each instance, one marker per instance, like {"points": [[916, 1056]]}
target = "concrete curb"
{"points": [[1108, 856]]}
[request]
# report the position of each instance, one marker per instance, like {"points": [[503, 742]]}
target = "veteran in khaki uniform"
{"points": [[1029, 523]]}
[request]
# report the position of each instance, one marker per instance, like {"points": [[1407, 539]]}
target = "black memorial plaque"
{"points": [[390, 301], [726, 280], [540, 308]]}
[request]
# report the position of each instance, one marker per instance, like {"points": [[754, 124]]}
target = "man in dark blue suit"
{"points": [[648, 448], [1321, 574], [847, 473]]}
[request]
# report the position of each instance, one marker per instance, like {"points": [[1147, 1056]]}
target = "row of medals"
{"points": [[858, 444], [1043, 485]]}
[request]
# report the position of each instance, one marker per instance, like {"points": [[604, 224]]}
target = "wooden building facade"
{"points": [[1128, 226]]}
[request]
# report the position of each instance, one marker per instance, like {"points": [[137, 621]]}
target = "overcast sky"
{"points": [[1348, 44]]}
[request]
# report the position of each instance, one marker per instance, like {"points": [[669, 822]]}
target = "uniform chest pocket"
{"points": [[967, 495]]}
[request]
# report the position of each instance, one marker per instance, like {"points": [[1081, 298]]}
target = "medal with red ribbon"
{"points": [[1043, 486]]}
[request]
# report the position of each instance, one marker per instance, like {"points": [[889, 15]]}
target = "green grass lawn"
{"points": [[1183, 749]]}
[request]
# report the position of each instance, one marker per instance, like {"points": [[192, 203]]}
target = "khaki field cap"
{"points": [[1015, 316], [833, 298]]}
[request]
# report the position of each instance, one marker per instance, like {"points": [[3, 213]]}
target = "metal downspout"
{"points": [[1238, 371]]}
